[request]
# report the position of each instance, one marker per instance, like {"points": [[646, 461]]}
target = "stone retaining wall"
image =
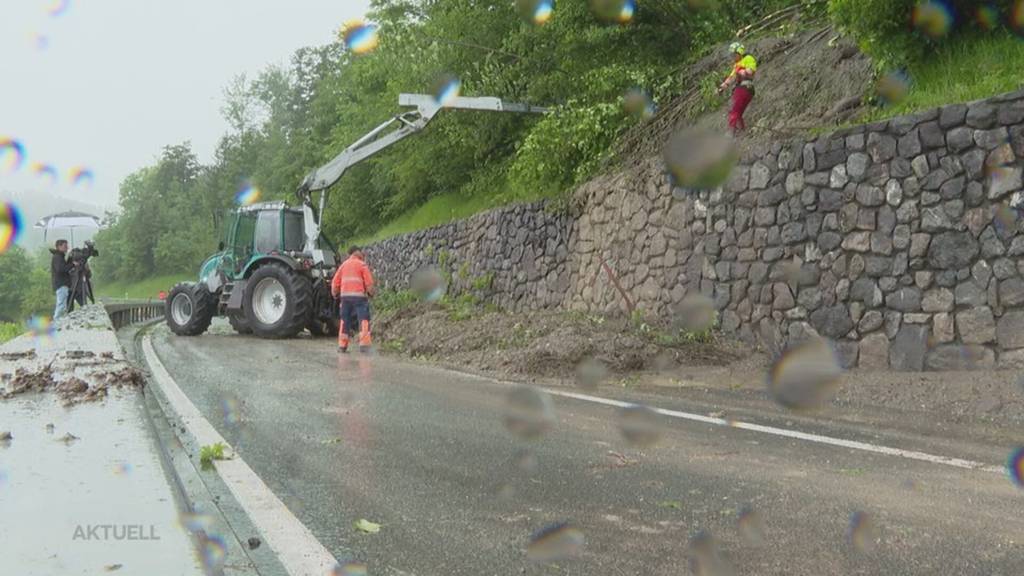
{"points": [[898, 240]]}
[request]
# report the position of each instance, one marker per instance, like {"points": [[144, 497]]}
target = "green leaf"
{"points": [[364, 525], [673, 504]]}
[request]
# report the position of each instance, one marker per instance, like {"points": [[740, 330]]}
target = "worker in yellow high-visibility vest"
{"points": [[744, 67]]}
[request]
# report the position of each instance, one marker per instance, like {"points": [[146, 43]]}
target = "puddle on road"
{"points": [[53, 492]]}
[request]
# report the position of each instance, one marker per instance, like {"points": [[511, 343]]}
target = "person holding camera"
{"points": [[60, 277]]}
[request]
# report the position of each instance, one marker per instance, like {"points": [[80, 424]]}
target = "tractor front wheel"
{"points": [[277, 301], [189, 309]]}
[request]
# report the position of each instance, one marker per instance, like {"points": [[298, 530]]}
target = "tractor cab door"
{"points": [[268, 232], [242, 242]]}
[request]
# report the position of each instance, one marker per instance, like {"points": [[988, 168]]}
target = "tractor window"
{"points": [[294, 235], [268, 232], [244, 233]]}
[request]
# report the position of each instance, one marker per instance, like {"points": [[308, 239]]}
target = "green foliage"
{"points": [[969, 67], [461, 307], [209, 453], [484, 282], [24, 285], [393, 300], [884, 28], [10, 331], [149, 288]]}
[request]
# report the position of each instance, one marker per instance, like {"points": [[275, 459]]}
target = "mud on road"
{"points": [[80, 360]]}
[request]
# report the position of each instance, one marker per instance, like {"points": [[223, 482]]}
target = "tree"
{"points": [[15, 270]]}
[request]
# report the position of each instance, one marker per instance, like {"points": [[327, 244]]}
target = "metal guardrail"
{"points": [[124, 313]]}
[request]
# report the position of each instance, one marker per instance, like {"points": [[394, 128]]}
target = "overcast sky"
{"points": [[116, 80]]}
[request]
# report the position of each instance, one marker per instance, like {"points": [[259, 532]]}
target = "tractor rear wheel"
{"points": [[277, 301], [189, 309], [240, 323]]}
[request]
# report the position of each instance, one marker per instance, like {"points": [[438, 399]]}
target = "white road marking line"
{"points": [[297, 549], [795, 434], [853, 444]]}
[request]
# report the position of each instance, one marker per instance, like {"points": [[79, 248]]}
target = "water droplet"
{"points": [[526, 461], [806, 376], [195, 521], [81, 176], [555, 542], [446, 89], [349, 569], [12, 155], [536, 11], [700, 159], [122, 469], [230, 409], [706, 558], [751, 526], [429, 284], [988, 17], [214, 553], [862, 533], [893, 87], [247, 195], [590, 373], [640, 426], [360, 37], [529, 412], [1015, 466], [621, 11], [695, 313], [933, 18], [639, 103]]}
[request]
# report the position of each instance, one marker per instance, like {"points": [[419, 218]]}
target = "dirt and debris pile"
{"points": [[541, 344], [807, 80], [80, 361]]}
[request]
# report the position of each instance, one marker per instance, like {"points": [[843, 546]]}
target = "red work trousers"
{"points": [[741, 98]]}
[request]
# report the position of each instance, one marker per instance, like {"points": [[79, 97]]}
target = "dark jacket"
{"points": [[60, 270]]}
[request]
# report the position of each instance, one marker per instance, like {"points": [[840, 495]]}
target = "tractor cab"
{"points": [[259, 230]]}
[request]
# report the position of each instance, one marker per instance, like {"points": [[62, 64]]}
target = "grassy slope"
{"points": [[966, 68], [10, 331], [148, 288]]}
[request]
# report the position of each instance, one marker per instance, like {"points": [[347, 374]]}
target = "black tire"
{"points": [[240, 323], [277, 301], [319, 328], [189, 309]]}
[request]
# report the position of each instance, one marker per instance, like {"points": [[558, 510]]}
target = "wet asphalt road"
{"points": [[425, 453]]}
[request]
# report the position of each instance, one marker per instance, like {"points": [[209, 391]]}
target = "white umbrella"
{"points": [[69, 220]]}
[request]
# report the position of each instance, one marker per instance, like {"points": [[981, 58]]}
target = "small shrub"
{"points": [[209, 453], [393, 300], [10, 331]]}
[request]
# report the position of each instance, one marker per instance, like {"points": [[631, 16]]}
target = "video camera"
{"points": [[80, 256]]}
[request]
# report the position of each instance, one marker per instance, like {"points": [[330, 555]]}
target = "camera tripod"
{"points": [[81, 287]]}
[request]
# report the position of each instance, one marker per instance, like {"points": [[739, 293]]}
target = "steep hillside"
{"points": [[805, 81]]}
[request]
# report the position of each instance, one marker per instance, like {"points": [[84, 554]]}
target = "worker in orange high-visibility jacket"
{"points": [[353, 283]]}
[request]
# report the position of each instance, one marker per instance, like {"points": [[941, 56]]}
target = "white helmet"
{"points": [[737, 48]]}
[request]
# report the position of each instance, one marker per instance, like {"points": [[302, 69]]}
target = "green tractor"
{"points": [[261, 278], [271, 275]]}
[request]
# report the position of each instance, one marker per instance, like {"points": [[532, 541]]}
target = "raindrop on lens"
{"points": [[529, 412], [81, 176], [988, 17], [42, 329], [247, 195], [862, 532], [893, 87], [429, 284], [12, 154], [751, 526], [620, 11], [195, 522], [349, 569], [555, 542], [11, 225], [526, 461], [590, 373], [446, 89], [536, 11], [638, 103], [47, 172], [706, 558], [933, 18], [700, 159], [359, 37], [1017, 17], [122, 469], [1015, 466], [230, 408], [694, 313], [215, 552], [640, 426], [806, 376]]}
